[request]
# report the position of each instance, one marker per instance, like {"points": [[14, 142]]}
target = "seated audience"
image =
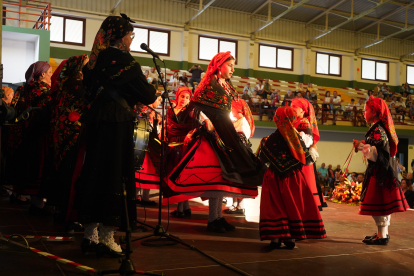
{"points": [[407, 188], [287, 100], [411, 111], [259, 88], [174, 81], [153, 77], [255, 101], [406, 89], [326, 106], [369, 94], [385, 90], [249, 90], [323, 173], [307, 96], [185, 78], [266, 108], [267, 89], [337, 107], [348, 112], [246, 96], [408, 101]]}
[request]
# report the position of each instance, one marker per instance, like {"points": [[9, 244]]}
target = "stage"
{"points": [[341, 253]]}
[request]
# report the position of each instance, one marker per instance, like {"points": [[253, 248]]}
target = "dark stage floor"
{"points": [[341, 253]]}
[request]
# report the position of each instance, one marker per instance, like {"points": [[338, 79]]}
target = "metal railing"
{"points": [[42, 22]]}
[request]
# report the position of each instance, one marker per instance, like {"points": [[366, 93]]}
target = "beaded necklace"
{"points": [[230, 91]]}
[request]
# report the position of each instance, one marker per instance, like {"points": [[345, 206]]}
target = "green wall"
{"points": [[63, 53], [44, 39]]}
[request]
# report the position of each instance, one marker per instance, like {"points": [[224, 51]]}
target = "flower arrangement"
{"points": [[349, 193]]}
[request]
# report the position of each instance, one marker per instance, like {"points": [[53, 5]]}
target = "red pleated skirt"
{"points": [[147, 178], [381, 201], [199, 174], [287, 208]]}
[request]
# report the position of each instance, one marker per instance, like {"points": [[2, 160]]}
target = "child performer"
{"points": [[308, 124], [381, 193], [287, 208], [244, 124]]}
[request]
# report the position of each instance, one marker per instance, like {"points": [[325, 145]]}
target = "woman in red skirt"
{"points": [[287, 209], [307, 124], [381, 193]]}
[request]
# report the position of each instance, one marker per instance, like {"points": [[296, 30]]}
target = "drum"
{"points": [[142, 130]]}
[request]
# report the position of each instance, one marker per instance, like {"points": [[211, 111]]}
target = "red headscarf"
{"points": [[240, 106], [183, 89], [55, 77], [285, 119], [381, 109], [214, 64], [309, 114]]}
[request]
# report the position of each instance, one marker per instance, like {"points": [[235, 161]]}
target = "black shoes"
{"points": [[289, 244], [148, 203], [186, 213], [234, 210], [216, 226], [102, 250], [374, 240], [88, 246], [220, 226], [275, 245]]}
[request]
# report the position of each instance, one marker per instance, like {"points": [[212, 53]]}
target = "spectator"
{"points": [[287, 100], [337, 107], [307, 96], [146, 74], [181, 82], [163, 80], [385, 90], [298, 95], [153, 77], [377, 89], [392, 106], [380, 95], [246, 96], [299, 88], [331, 178], [349, 109], [8, 95], [174, 81], [267, 90], [310, 88], [323, 173], [411, 111], [260, 88], [184, 78], [410, 175], [400, 108], [274, 98], [326, 106], [337, 172], [317, 109], [360, 120], [313, 94], [407, 188], [195, 71], [400, 169], [408, 101], [266, 108], [360, 178], [195, 87], [406, 89], [249, 90], [255, 101], [369, 94]]}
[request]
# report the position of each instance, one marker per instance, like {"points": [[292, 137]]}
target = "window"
{"points": [[410, 74], [208, 47], [156, 39], [374, 70], [328, 64], [67, 30], [275, 57]]}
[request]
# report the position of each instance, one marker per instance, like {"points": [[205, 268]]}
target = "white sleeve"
{"points": [[202, 118], [370, 152], [246, 128], [308, 139], [314, 154]]}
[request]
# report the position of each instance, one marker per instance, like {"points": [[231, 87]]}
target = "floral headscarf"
{"points": [[240, 106], [309, 114], [285, 119], [36, 70], [381, 109], [214, 64], [113, 28]]}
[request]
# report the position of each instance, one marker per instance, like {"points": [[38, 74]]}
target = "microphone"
{"points": [[146, 48]]}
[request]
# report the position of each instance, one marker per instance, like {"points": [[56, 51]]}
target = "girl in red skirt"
{"points": [[307, 124], [287, 209], [381, 193]]}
